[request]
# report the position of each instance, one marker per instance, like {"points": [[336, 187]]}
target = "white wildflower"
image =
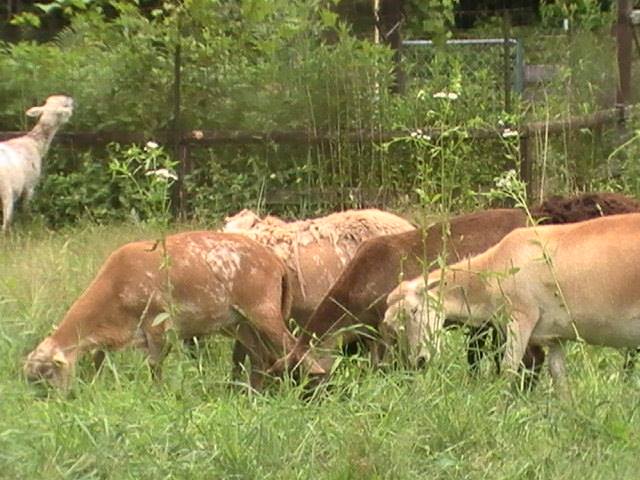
{"points": [[419, 134], [506, 180], [507, 133], [162, 173], [272, 176], [151, 145], [446, 95]]}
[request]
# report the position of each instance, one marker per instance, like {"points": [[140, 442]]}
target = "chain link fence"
{"points": [[492, 67]]}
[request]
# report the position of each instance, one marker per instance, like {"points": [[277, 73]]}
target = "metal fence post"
{"points": [[506, 66], [518, 77]]}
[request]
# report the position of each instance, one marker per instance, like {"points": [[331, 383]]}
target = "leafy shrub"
{"points": [[269, 65], [117, 184], [76, 189], [143, 178]]}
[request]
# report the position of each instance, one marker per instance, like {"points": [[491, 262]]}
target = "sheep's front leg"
{"points": [[518, 334], [6, 195], [248, 342], [27, 196], [477, 347], [98, 359], [377, 351], [558, 370], [156, 351], [238, 356]]}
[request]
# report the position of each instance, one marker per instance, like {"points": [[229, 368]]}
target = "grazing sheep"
{"points": [[554, 283], [357, 296], [208, 282], [21, 157], [315, 251]]}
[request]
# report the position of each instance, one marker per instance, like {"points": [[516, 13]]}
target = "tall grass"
{"points": [[392, 424]]}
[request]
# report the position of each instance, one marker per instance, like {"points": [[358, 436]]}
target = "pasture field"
{"points": [[396, 424]]}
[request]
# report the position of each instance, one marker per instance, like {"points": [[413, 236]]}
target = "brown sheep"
{"points": [[557, 209], [554, 282], [358, 296], [208, 282]]}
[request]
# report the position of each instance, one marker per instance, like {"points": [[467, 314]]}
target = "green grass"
{"points": [[370, 424]]}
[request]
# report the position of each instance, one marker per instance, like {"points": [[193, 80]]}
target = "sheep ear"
{"points": [[315, 368], [60, 360], [34, 112]]}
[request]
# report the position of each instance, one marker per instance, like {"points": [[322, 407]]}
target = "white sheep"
{"points": [[21, 157]]}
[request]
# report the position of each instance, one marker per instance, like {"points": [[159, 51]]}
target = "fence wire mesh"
{"points": [[494, 65]]}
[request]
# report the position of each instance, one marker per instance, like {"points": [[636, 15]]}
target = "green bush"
{"points": [[120, 183], [68, 195], [280, 65]]}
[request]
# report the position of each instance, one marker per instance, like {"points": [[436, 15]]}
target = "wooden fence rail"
{"points": [[211, 138]]}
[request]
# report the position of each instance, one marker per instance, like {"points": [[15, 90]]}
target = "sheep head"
{"points": [[48, 364], [56, 110], [413, 321]]}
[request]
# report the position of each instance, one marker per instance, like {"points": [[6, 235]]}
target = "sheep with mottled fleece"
{"points": [[247, 219], [316, 250], [207, 281], [21, 157]]}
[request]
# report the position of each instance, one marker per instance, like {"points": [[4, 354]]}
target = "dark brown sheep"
{"points": [[558, 209]]}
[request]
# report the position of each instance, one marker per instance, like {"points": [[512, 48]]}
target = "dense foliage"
{"points": [[278, 65]]}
